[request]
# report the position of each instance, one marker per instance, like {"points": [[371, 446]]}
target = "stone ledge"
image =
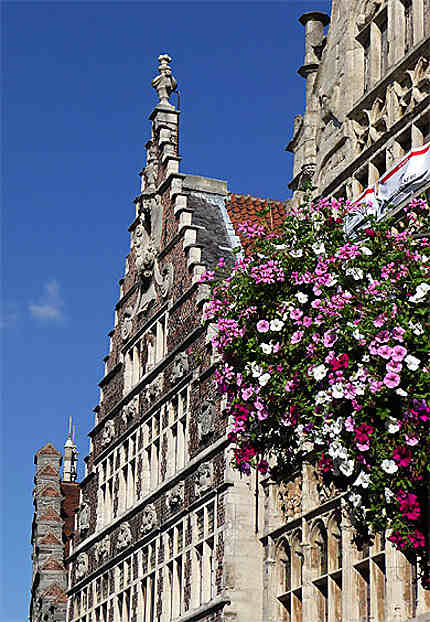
{"points": [[197, 183]]}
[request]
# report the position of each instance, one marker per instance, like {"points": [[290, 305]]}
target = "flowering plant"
{"points": [[324, 344]]}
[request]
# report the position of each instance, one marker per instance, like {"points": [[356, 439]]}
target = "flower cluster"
{"points": [[324, 347]]}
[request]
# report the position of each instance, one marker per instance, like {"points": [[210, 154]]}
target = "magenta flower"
{"points": [[394, 366], [398, 333], [296, 337], [399, 353], [296, 314], [409, 506], [329, 339], [385, 352], [263, 326], [383, 336], [403, 456], [392, 380]]}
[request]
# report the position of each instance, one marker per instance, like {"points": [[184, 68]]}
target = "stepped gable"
{"points": [[49, 491], [245, 208], [49, 514], [47, 471], [52, 564], [50, 538], [55, 593], [47, 449]]}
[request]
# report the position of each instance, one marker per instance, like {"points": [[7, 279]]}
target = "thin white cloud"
{"points": [[50, 305]]}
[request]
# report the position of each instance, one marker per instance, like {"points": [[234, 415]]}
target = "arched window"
{"points": [[319, 570], [289, 561]]}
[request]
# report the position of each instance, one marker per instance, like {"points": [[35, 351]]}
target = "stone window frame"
{"points": [[98, 612], [203, 567], [120, 465], [289, 565], [369, 566]]}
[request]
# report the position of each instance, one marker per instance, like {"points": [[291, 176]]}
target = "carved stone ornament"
{"points": [[175, 497], [127, 323], [164, 278], [149, 519], [181, 366], [165, 83], [290, 498], [369, 124], [144, 252], [124, 536], [412, 88], [108, 432], [206, 418], [102, 550], [204, 478], [155, 389], [84, 517], [131, 409], [368, 10], [326, 491], [81, 565]]}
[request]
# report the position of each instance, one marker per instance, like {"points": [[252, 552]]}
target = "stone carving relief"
{"points": [[127, 323], [102, 549], [370, 124], [165, 84], [181, 366], [154, 389], [325, 490], [204, 478], [108, 433], [124, 536], [84, 517], [81, 565], [175, 497], [412, 88], [206, 418], [144, 252], [164, 278], [289, 499], [368, 10], [131, 409], [149, 519]]}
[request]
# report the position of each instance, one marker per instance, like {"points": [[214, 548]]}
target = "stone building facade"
{"points": [[166, 529]]}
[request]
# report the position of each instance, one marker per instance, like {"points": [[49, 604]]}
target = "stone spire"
{"points": [[165, 83], [70, 456]]}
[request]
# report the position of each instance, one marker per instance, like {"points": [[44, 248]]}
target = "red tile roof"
{"points": [[244, 208], [69, 506]]}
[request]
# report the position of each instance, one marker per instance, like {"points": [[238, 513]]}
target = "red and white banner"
{"points": [[395, 186], [405, 178]]}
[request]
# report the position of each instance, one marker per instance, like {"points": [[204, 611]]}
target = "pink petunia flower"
{"points": [[263, 326], [385, 352], [399, 353], [392, 380], [296, 337]]}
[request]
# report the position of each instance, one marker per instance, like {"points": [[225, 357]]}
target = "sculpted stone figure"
{"points": [[203, 481], [127, 323], [124, 536], [145, 252], [206, 418], [175, 498], [131, 409], [108, 433], [84, 517], [165, 83], [81, 565], [149, 519], [102, 549], [180, 366]]}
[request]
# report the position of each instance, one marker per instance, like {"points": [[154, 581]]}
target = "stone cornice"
{"points": [[113, 372]]}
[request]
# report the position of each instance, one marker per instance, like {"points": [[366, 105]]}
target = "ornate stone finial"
{"points": [[165, 83]]}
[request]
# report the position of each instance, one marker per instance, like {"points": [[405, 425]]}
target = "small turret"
{"points": [[70, 456]]}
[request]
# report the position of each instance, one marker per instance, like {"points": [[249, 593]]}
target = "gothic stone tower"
{"points": [[166, 529]]}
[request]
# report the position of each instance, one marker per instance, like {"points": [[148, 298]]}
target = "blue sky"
{"points": [[77, 96]]}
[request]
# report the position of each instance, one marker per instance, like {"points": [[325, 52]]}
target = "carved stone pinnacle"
{"points": [[165, 83]]}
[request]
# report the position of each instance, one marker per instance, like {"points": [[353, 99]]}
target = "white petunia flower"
{"points": [[366, 251], [389, 495], [347, 467], [389, 466], [400, 392], [296, 253], [362, 480], [318, 248], [417, 328], [322, 397], [356, 273], [420, 293], [412, 362], [319, 372], [266, 347], [337, 390], [337, 450], [355, 499], [332, 280], [280, 247], [357, 335], [264, 379], [256, 370], [276, 325], [393, 425], [301, 297]]}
